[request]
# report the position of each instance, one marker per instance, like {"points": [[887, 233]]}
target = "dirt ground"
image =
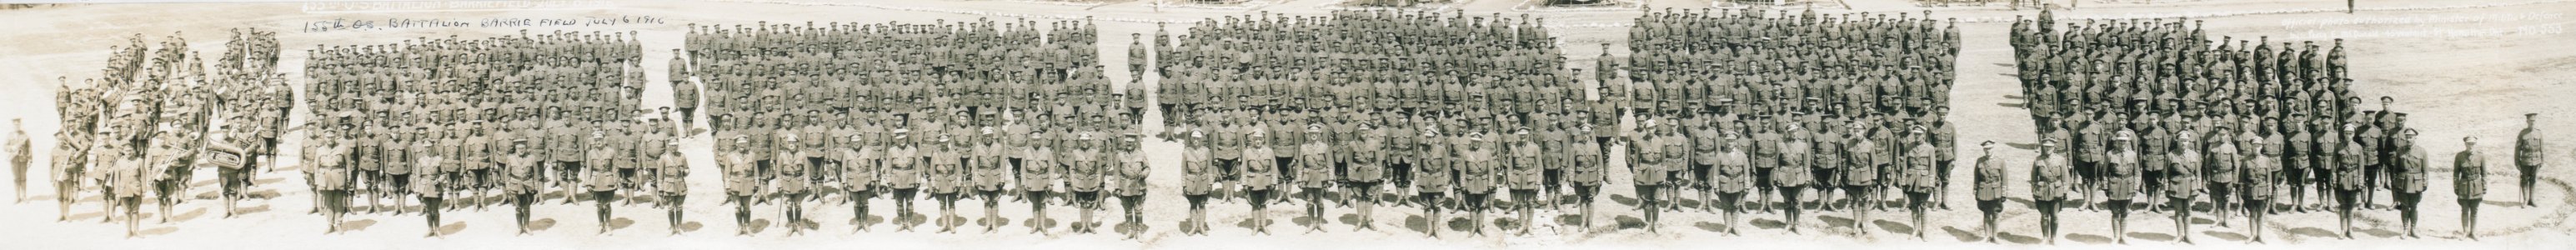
{"points": [[2470, 67]]}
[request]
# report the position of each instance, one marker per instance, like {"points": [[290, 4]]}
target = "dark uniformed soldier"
{"points": [[903, 173], [603, 181], [429, 189], [1793, 174], [1647, 148], [1431, 178], [2469, 181], [2407, 179], [1367, 171]]}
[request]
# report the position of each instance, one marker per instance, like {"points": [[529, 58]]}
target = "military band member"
{"points": [[1990, 187], [2469, 181]]}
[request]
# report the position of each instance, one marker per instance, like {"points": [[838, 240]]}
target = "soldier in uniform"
{"points": [[2528, 155], [1367, 171], [1524, 176], [1258, 177], [21, 152], [2182, 181], [2260, 170], [1919, 176], [1793, 174], [946, 175], [1731, 177], [1587, 172], [1198, 175], [2121, 181], [331, 165], [1476, 180], [1131, 172], [989, 175], [521, 181], [1646, 148], [429, 188], [739, 179], [903, 163], [1860, 179], [2469, 181], [1431, 177], [2348, 181], [1039, 178], [671, 181], [1990, 187], [1084, 178], [2051, 176], [603, 181], [2409, 172], [1315, 173]]}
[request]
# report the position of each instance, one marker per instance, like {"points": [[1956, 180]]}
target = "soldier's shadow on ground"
{"points": [[191, 214], [539, 224], [2152, 236], [1963, 235], [1895, 227], [2088, 238], [1034, 222], [757, 225], [451, 228], [1130, 228], [1628, 222], [357, 225], [1836, 221], [2314, 232], [1768, 223], [911, 219], [616, 223], [1624, 200], [2227, 236], [691, 226], [157, 231], [2017, 239], [1712, 226]]}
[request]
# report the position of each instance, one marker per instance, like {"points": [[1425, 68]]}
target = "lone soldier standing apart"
{"points": [[20, 153], [1990, 187], [2468, 171], [2527, 155], [2050, 178]]}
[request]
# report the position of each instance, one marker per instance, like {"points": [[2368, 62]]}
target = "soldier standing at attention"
{"points": [[2348, 182], [2120, 184], [1315, 173], [1525, 175], [1792, 176], [1860, 179], [1647, 152], [2469, 181], [1131, 173], [1258, 179], [1587, 173], [522, 182], [1476, 180], [944, 175], [1918, 182], [2528, 155], [2260, 170], [1990, 187], [673, 182], [739, 182], [603, 178], [2050, 178], [1198, 176], [2221, 167], [429, 188], [2182, 181], [20, 153], [1431, 178], [2408, 179], [903, 162], [1368, 170], [1730, 177]]}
